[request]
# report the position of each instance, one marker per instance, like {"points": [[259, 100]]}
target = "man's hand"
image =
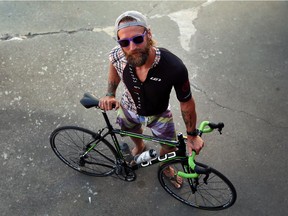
{"points": [[108, 103], [194, 143]]}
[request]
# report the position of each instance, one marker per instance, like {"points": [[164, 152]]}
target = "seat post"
{"points": [[110, 127]]}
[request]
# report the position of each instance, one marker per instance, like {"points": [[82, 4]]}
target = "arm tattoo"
{"points": [[187, 118], [112, 86]]}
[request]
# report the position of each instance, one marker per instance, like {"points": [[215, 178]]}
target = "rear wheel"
{"points": [[213, 192], [70, 144]]}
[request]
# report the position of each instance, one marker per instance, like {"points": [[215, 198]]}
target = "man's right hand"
{"points": [[108, 103]]}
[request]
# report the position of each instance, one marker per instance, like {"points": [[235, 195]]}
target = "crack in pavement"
{"points": [[236, 111], [10, 37]]}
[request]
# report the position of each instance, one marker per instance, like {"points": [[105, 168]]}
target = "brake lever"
{"points": [[220, 131], [206, 178], [220, 127]]}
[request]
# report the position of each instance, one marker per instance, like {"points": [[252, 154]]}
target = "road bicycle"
{"points": [[99, 154]]}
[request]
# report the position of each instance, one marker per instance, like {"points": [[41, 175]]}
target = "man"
{"points": [[149, 73]]}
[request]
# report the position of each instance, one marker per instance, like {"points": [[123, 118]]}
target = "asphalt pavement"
{"points": [[53, 52]]}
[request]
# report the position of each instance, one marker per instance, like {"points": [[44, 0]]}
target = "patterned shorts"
{"points": [[161, 125]]}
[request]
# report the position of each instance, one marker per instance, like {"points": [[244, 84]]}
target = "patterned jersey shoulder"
{"points": [[118, 60], [117, 55]]}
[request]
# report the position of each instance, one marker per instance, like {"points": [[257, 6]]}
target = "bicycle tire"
{"points": [[70, 142], [219, 193]]}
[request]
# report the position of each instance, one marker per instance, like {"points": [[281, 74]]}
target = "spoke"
{"points": [[204, 199], [217, 197], [83, 139], [103, 155], [69, 139], [73, 147]]}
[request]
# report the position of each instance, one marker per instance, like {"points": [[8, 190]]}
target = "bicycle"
{"points": [[91, 153]]}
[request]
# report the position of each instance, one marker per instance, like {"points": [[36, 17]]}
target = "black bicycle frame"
{"points": [[180, 143]]}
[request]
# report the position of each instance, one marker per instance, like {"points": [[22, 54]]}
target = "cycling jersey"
{"points": [[151, 97]]}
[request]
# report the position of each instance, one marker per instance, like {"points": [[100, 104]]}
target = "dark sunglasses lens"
{"points": [[124, 43], [138, 39]]}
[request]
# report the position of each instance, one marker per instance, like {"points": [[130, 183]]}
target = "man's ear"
{"points": [[149, 33]]}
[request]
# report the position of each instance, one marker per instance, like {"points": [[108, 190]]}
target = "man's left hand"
{"points": [[194, 143]]}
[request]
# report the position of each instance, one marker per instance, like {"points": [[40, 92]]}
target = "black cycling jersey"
{"points": [[151, 97]]}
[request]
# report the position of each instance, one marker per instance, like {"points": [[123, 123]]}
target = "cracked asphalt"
{"points": [[53, 52]]}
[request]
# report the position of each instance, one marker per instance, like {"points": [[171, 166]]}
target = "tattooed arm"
{"points": [[113, 82], [190, 118]]}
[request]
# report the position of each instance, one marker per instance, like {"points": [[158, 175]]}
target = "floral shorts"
{"points": [[162, 125]]}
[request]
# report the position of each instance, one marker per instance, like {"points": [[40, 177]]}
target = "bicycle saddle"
{"points": [[89, 101]]}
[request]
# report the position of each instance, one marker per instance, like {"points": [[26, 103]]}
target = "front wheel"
{"points": [[213, 192], [82, 150]]}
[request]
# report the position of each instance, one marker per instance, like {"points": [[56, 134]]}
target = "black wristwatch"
{"points": [[196, 132]]}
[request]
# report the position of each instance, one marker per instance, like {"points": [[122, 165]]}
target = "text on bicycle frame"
{"points": [[159, 159]]}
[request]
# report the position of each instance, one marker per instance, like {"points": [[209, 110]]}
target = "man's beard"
{"points": [[138, 57]]}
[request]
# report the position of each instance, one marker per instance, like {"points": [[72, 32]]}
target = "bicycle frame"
{"points": [[180, 143]]}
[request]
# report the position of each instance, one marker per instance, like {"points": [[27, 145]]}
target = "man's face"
{"points": [[136, 54]]}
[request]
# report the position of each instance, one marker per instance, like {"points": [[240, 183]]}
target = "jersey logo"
{"points": [[155, 79]]}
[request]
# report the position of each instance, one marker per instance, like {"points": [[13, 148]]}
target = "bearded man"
{"points": [[149, 73]]}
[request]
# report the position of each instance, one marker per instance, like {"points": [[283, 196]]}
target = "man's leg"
{"points": [[170, 173], [139, 144], [164, 127], [129, 121]]}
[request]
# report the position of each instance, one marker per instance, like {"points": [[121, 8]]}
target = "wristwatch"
{"points": [[195, 132], [110, 94]]}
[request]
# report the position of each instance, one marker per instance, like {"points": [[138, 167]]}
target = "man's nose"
{"points": [[132, 45]]}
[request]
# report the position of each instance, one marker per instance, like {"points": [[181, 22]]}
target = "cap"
{"points": [[140, 20]]}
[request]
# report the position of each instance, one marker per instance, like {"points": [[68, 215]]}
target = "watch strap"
{"points": [[110, 94], [195, 132]]}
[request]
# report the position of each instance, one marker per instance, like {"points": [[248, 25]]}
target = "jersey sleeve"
{"points": [[182, 85]]}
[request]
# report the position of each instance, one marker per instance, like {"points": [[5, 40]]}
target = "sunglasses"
{"points": [[136, 40]]}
